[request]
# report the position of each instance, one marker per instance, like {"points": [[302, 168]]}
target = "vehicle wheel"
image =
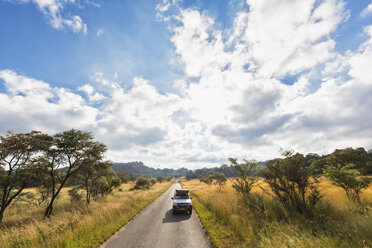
{"points": [[190, 212]]}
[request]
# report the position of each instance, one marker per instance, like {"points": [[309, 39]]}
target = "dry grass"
{"points": [[337, 222], [75, 224]]}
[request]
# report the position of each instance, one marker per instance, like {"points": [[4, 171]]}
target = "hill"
{"points": [[138, 168]]}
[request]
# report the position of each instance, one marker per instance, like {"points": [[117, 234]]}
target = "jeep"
{"points": [[182, 201]]}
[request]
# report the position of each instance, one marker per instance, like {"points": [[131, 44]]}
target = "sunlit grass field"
{"points": [[337, 222], [75, 224]]}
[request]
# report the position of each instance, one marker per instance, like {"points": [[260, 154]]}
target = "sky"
{"points": [[190, 83]]}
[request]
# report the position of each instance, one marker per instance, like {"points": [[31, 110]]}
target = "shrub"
{"points": [[206, 179], [142, 183], [220, 179], [160, 179], [347, 178], [74, 194], [243, 178], [152, 181], [289, 180]]}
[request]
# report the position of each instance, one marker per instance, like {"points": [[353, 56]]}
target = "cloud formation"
{"points": [[52, 9], [367, 10], [234, 99]]}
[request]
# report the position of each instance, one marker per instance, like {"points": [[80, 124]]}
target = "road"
{"points": [[156, 226]]}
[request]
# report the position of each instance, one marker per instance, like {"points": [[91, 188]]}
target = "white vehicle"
{"points": [[182, 201]]}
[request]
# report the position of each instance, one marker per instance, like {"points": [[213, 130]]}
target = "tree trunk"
{"points": [[1, 214], [49, 209], [87, 189], [88, 197]]}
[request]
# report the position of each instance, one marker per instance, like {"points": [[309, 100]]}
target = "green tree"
{"points": [[358, 157], [74, 194], [160, 179], [242, 175], [348, 178], [87, 177], [64, 155], [142, 183], [17, 151], [206, 179], [289, 180], [220, 179], [104, 185]]}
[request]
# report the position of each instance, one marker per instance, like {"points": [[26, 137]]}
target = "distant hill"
{"points": [[139, 168]]}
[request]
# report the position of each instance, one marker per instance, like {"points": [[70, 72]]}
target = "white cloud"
{"points": [[76, 24], [233, 100], [236, 93], [52, 9], [367, 10], [99, 32], [31, 104]]}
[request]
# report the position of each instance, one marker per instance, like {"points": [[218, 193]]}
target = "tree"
{"points": [[88, 177], [346, 176], [64, 155], [74, 194], [242, 175], [160, 179], [220, 179], [126, 176], [142, 183], [343, 157], [17, 151], [206, 179], [289, 180], [104, 185]]}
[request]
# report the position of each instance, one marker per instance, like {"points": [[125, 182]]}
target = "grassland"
{"points": [[234, 222], [75, 224]]}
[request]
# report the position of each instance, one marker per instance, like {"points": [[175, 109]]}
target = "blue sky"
{"points": [[170, 54]]}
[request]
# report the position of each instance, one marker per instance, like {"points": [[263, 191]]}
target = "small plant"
{"points": [[74, 194], [142, 183], [152, 181]]}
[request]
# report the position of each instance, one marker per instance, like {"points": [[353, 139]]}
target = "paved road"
{"points": [[156, 226]]}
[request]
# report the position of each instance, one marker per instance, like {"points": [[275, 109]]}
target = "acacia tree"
{"points": [[289, 180], [16, 153], [242, 175], [220, 179], [344, 168], [65, 154], [90, 178]]}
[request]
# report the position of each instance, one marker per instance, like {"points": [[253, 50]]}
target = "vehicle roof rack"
{"points": [[182, 191]]}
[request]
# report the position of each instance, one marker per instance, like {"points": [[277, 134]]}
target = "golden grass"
{"points": [[337, 222], [75, 224]]}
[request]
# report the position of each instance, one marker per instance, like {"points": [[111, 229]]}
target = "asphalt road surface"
{"points": [[156, 226]]}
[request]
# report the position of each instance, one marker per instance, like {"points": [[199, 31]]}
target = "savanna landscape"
{"points": [[233, 222], [185, 123], [75, 224]]}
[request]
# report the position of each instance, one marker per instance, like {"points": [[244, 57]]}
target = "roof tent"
{"points": [[182, 191]]}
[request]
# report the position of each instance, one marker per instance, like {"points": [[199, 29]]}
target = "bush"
{"points": [[74, 194], [152, 181], [142, 183], [348, 178], [243, 178], [220, 179], [160, 179], [206, 179], [289, 180]]}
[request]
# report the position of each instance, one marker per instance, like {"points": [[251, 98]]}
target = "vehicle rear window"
{"points": [[181, 196]]}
